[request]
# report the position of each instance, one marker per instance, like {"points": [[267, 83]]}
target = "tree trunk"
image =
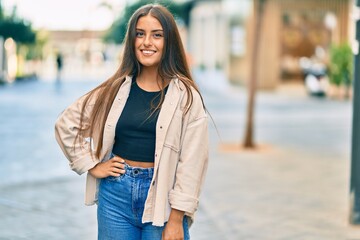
{"points": [[249, 141]]}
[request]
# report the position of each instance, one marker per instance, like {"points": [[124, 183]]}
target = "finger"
{"points": [[117, 170], [118, 159], [114, 174], [119, 165]]}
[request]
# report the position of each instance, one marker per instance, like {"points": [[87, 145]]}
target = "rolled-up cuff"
{"points": [[183, 202], [83, 164]]}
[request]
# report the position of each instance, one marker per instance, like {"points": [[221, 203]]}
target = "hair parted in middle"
{"points": [[173, 64]]}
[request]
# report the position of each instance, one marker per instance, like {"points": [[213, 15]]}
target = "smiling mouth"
{"points": [[148, 52]]}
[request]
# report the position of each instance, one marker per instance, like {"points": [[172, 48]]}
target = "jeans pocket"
{"points": [[115, 179]]}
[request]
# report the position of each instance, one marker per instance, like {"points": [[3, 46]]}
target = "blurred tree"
{"points": [[35, 50], [249, 129], [1, 12], [16, 28], [341, 66], [20, 31], [116, 33], [29, 45]]}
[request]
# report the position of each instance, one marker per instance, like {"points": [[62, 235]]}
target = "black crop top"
{"points": [[136, 130]]}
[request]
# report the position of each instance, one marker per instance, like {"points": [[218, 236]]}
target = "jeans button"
{"points": [[136, 171]]}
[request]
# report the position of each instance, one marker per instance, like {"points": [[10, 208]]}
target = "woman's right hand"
{"points": [[113, 167]]}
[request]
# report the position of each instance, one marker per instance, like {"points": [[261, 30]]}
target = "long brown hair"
{"points": [[173, 64]]}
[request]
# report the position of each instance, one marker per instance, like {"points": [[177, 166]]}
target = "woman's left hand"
{"points": [[173, 230]]}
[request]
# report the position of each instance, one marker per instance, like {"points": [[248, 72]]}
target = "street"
{"points": [[295, 186]]}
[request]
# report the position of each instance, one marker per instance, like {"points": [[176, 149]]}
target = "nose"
{"points": [[147, 41]]}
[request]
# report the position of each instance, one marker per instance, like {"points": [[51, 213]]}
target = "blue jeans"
{"points": [[121, 204]]}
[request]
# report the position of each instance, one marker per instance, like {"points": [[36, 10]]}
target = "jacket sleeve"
{"points": [[192, 163], [66, 128]]}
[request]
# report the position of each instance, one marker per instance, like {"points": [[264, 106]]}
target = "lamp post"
{"points": [[355, 149]]}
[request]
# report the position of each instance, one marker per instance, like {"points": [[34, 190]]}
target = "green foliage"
{"points": [[117, 31], [16, 28], [35, 50], [20, 31], [1, 12], [341, 65]]}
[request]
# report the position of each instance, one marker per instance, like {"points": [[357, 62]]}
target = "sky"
{"points": [[82, 14], [65, 14]]}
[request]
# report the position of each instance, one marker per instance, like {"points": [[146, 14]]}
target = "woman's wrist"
{"points": [[91, 170], [96, 171], [176, 215]]}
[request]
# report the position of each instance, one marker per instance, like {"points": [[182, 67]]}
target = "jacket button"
{"points": [[160, 127]]}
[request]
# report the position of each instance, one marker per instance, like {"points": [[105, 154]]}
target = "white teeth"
{"points": [[148, 52]]}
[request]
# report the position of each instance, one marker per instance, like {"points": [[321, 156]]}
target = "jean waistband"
{"points": [[138, 171]]}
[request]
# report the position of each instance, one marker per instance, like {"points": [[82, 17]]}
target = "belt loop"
{"points": [[151, 170], [126, 166]]}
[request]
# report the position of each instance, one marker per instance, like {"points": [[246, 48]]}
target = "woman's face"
{"points": [[149, 41]]}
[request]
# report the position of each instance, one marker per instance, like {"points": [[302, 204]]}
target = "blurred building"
{"points": [[84, 54], [221, 36]]}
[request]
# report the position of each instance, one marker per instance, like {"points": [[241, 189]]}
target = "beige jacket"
{"points": [[181, 150]]}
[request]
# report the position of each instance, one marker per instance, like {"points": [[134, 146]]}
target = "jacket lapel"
{"points": [[166, 114], [113, 116]]}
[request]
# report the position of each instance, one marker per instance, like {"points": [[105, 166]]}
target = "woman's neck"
{"points": [[149, 79]]}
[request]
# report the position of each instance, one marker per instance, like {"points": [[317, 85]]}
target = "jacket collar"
{"points": [[174, 80], [178, 83]]}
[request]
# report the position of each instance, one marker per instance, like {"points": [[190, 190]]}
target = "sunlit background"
{"points": [[217, 34], [66, 15], [280, 172]]}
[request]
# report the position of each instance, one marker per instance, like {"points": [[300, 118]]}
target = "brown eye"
{"points": [[158, 35], [139, 34]]}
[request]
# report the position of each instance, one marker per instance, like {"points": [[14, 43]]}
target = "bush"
{"points": [[341, 65]]}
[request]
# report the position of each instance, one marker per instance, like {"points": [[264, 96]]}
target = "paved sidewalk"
{"points": [[55, 210], [295, 187]]}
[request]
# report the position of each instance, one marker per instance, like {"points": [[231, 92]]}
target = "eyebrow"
{"points": [[155, 30]]}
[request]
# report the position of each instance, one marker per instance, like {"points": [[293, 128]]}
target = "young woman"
{"points": [[141, 136]]}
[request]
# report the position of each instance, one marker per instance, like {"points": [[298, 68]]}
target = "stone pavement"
{"points": [[294, 187]]}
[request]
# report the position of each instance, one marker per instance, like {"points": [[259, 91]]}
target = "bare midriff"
{"points": [[139, 164]]}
